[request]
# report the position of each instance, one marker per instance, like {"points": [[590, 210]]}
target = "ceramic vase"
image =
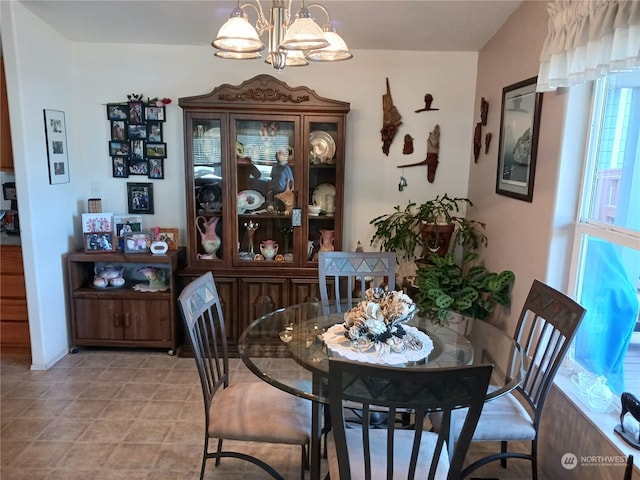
{"points": [[269, 249], [208, 238], [326, 240]]}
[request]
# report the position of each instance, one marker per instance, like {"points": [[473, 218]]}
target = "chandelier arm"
{"points": [[321, 7], [262, 24]]}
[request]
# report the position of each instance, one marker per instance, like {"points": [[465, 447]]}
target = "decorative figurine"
{"points": [[433, 148], [408, 145], [630, 404], [484, 111], [428, 99], [208, 238], [251, 228], [487, 142], [391, 120], [287, 197], [477, 141]]}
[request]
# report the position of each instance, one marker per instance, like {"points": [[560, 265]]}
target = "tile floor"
{"points": [[134, 415]]}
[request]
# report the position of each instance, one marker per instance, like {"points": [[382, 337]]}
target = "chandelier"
{"points": [[292, 42]]}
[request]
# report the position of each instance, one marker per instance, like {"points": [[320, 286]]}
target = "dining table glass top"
{"points": [[286, 348]]}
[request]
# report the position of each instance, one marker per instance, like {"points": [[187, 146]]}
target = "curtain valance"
{"points": [[588, 39]]}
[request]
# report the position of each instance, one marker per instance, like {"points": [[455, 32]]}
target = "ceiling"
{"points": [[427, 25]]}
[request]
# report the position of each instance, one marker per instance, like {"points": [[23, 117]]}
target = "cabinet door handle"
{"points": [[117, 320], [127, 320]]}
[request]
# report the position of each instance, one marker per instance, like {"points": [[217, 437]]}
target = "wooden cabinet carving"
{"points": [[264, 171]]}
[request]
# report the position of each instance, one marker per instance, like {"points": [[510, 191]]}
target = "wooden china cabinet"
{"points": [[257, 155]]}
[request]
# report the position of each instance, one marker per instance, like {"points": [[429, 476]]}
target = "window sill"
{"points": [[602, 422]]}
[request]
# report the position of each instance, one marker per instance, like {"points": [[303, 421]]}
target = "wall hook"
{"points": [[402, 184]]}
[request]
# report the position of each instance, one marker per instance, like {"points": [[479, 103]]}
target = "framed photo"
{"points": [[137, 149], [98, 242], [120, 169], [118, 130], [138, 167], [137, 242], [156, 168], [136, 113], [157, 150], [118, 148], [137, 132], [519, 128], [97, 222], [140, 197], [55, 130], [154, 113], [154, 132], [168, 235], [117, 111], [127, 223]]}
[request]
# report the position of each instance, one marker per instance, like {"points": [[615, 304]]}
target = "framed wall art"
{"points": [[55, 130], [97, 222], [156, 168], [136, 135], [519, 128], [140, 197]]}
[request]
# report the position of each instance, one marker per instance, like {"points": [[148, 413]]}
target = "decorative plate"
{"points": [[320, 195], [323, 148], [250, 200]]}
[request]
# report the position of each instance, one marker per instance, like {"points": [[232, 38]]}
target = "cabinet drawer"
{"points": [[12, 286], [11, 259], [14, 309], [14, 333]]}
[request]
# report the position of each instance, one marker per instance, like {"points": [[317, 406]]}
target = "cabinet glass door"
{"points": [[321, 209], [208, 176], [267, 178]]}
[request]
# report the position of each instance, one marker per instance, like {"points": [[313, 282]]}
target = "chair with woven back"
{"points": [[349, 273], [243, 411], [397, 452], [546, 326]]}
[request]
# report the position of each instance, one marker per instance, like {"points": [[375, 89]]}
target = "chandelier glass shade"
{"points": [[292, 41]]}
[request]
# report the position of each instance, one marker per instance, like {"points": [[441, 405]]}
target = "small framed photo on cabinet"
{"points": [[137, 242], [98, 242]]}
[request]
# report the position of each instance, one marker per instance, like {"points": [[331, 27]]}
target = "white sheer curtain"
{"points": [[588, 39]]}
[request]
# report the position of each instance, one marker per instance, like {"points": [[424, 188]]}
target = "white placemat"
{"points": [[339, 344]]}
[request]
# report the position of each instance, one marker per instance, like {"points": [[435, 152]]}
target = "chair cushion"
{"points": [[259, 412], [378, 438], [503, 418]]}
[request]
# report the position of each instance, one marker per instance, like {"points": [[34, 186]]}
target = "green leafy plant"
{"points": [[470, 290], [414, 231]]}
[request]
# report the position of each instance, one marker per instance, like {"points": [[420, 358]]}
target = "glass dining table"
{"points": [[287, 349]]}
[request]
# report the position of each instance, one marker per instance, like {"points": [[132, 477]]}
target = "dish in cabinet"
{"points": [[320, 195], [322, 147]]}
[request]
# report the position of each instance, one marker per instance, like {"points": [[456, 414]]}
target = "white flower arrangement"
{"points": [[377, 321]]}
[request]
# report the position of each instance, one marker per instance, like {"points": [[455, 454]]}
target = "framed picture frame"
{"points": [[118, 148], [140, 197], [168, 235], [137, 150], [120, 167], [97, 222], [136, 113], [156, 150], [137, 132], [154, 113], [55, 129], [138, 167], [118, 130], [156, 168], [154, 132], [98, 242], [518, 148], [137, 242], [117, 111]]}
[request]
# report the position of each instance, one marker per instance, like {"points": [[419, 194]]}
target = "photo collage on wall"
{"points": [[136, 146]]}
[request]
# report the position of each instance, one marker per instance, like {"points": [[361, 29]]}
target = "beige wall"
{"points": [[525, 236]]}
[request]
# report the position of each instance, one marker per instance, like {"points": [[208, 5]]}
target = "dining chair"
{"points": [[397, 452], [243, 411], [350, 273], [545, 329]]}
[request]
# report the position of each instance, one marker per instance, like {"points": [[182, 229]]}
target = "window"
{"points": [[606, 265]]}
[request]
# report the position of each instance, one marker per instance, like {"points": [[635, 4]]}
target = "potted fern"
{"points": [[444, 288], [419, 230]]}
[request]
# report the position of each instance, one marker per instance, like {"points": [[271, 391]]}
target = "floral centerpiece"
{"points": [[377, 322]]}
